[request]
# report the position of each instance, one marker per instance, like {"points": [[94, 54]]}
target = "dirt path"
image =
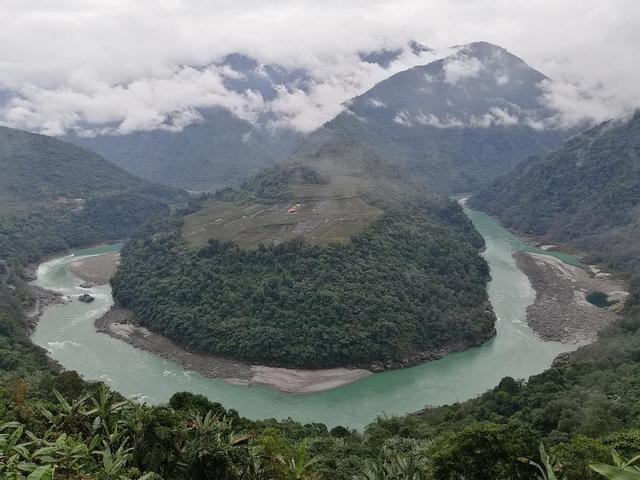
{"points": [[561, 312]]}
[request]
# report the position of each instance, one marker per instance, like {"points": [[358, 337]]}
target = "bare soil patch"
{"points": [[96, 269]]}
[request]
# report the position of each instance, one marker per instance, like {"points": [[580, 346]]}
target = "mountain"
{"points": [[36, 169], [332, 259], [586, 193], [54, 195], [384, 57], [458, 121], [218, 150]]}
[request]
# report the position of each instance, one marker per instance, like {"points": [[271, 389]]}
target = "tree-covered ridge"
{"points": [[272, 184], [54, 195], [403, 290], [40, 169], [586, 193], [409, 287]]}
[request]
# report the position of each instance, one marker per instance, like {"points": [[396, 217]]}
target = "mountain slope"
{"points": [[458, 121], [334, 259], [54, 195], [37, 168], [586, 193], [218, 150]]}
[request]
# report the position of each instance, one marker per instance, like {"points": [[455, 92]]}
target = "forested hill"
{"points": [[217, 150], [37, 169], [458, 122], [332, 260], [586, 193], [54, 195]]}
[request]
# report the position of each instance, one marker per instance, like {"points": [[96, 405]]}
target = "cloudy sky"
{"points": [[117, 66]]}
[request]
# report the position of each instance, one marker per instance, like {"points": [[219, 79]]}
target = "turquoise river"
{"points": [[67, 332]]}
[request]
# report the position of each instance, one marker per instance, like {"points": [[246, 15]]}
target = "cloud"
{"points": [[403, 118], [576, 105], [166, 103], [116, 66], [374, 102], [433, 121], [461, 67], [496, 116]]}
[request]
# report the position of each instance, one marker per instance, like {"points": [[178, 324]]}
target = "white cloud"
{"points": [[403, 118], [496, 116], [374, 102], [125, 64], [461, 67], [576, 105], [433, 121]]}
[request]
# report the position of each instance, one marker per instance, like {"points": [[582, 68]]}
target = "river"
{"points": [[67, 332]]}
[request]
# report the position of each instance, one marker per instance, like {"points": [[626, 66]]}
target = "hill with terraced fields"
{"points": [[332, 259]]}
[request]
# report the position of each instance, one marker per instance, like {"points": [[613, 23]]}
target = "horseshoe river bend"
{"points": [[68, 333]]}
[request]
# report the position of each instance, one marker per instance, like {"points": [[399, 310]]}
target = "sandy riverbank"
{"points": [[120, 324], [560, 311], [96, 269]]}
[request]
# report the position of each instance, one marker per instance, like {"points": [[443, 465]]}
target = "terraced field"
{"points": [[318, 220]]}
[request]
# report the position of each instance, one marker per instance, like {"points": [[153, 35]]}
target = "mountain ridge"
{"points": [[458, 121], [586, 193]]}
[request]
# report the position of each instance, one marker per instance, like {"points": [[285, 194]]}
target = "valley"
{"points": [[67, 331], [343, 241]]}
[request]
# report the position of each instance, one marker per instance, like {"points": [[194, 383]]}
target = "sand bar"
{"points": [[96, 269]]}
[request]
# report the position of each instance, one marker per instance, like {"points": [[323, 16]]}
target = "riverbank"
{"points": [[561, 311], [97, 269], [69, 334], [120, 324], [39, 300]]}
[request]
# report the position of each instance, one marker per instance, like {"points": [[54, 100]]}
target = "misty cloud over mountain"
{"points": [[156, 65]]}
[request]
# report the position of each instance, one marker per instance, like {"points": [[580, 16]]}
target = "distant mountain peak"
{"points": [[459, 120], [479, 85], [384, 57]]}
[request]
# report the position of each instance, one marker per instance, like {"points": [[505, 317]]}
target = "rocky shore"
{"points": [[414, 359], [40, 299], [561, 311]]}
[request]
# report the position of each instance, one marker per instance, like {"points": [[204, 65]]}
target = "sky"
{"points": [[118, 66]]}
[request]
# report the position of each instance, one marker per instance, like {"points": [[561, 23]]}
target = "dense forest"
{"points": [[410, 287], [587, 193], [54, 195]]}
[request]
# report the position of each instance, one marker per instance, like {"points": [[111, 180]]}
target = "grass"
{"points": [[319, 220]]}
